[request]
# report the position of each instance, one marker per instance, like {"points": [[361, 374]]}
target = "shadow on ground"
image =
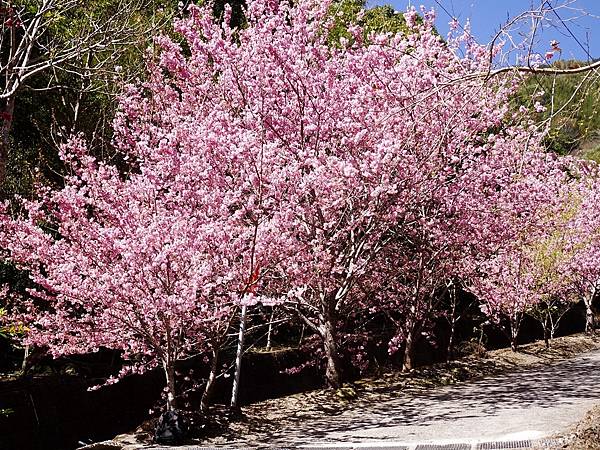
{"points": [[396, 405]]}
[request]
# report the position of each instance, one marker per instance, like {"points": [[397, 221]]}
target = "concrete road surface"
{"points": [[515, 410], [529, 404]]}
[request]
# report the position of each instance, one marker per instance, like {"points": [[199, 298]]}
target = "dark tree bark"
{"points": [[7, 120], [333, 373]]}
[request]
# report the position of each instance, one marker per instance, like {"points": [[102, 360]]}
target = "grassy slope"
{"points": [[572, 109]]}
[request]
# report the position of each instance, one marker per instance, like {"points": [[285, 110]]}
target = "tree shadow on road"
{"points": [[402, 404]]}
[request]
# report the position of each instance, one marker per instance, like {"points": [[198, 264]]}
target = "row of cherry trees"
{"points": [[266, 165]]}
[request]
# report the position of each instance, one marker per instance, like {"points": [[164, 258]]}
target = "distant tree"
{"points": [[72, 49], [347, 14], [522, 246], [583, 268], [570, 109]]}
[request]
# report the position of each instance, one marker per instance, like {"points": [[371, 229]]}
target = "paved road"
{"points": [[529, 404]]}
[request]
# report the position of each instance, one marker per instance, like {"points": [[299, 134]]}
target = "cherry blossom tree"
{"points": [[364, 137], [153, 261], [265, 164], [582, 269], [140, 262], [551, 256], [118, 265], [521, 247], [381, 202]]}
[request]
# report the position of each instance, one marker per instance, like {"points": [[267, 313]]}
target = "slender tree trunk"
{"points": [[333, 373], [5, 127], [515, 325], [547, 334], [589, 313], [210, 383], [589, 319], [270, 331], [412, 330], [25, 362], [171, 392], [238, 359], [450, 348], [546, 323]]}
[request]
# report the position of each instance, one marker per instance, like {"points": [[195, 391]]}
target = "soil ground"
{"points": [[586, 434]]}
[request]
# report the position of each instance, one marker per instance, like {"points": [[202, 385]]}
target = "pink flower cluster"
{"points": [[269, 164]]}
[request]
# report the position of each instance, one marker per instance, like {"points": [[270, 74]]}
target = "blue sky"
{"points": [[582, 17]]}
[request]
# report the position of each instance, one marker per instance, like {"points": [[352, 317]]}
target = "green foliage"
{"points": [[593, 154], [572, 108], [79, 97], [5, 412], [31, 148], [19, 282], [377, 19], [12, 330], [384, 19]]}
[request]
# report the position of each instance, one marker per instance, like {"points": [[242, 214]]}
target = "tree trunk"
{"points": [[408, 360], [333, 373], [210, 383], [270, 331], [589, 313], [547, 326], [453, 320], [238, 359], [25, 359], [515, 325], [546, 335], [5, 127], [450, 348], [171, 393], [589, 320]]}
